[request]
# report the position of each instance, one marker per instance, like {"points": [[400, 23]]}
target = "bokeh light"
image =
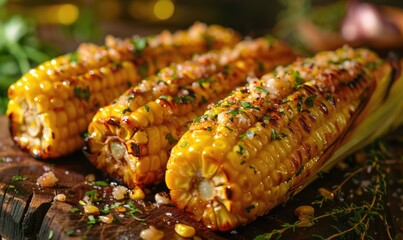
{"points": [[164, 9]]}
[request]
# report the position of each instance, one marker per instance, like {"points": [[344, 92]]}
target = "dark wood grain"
{"points": [[29, 212]]}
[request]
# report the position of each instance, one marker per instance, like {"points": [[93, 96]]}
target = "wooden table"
{"points": [[29, 212]]}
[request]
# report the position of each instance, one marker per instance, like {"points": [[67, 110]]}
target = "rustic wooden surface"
{"points": [[29, 212]]}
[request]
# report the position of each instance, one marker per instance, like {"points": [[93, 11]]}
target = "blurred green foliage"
{"points": [[20, 50]]}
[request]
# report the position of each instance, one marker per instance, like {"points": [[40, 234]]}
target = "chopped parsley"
{"points": [[106, 210], [234, 111], [249, 208], [100, 183], [147, 108], [126, 110], [297, 79], [204, 80], [91, 220], [143, 70], [19, 178], [69, 232], [240, 150], [299, 104], [83, 93], [309, 100], [299, 170], [209, 129], [184, 144], [274, 135], [170, 138], [139, 45], [93, 195], [74, 210], [226, 70], [262, 90], [249, 105], [73, 57]]}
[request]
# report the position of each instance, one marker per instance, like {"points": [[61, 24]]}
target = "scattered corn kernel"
{"points": [[151, 233], [48, 179], [305, 222], [119, 192], [90, 177], [162, 198], [184, 230], [60, 197], [305, 210], [137, 194], [108, 219], [90, 209], [120, 209], [326, 193]]}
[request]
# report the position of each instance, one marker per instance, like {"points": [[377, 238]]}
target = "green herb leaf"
{"points": [[93, 195], [69, 232], [100, 183], [139, 45], [74, 210], [274, 135], [262, 90], [18, 178], [234, 111], [249, 208], [170, 138], [126, 110], [309, 100], [83, 93], [91, 220], [147, 108]]}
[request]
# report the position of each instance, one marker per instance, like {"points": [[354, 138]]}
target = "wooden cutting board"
{"points": [[29, 212]]}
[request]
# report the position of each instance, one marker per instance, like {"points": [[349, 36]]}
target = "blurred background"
{"points": [[32, 31]]}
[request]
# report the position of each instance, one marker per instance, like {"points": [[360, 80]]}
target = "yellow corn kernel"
{"points": [[184, 230], [151, 117], [136, 194], [74, 86], [90, 209], [278, 130]]}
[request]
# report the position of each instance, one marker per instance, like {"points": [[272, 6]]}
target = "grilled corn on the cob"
{"points": [[248, 152], [131, 138], [51, 106]]}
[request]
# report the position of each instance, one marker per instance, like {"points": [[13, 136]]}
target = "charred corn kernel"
{"points": [[326, 193], [68, 90], [90, 209], [132, 137], [108, 219], [151, 233], [184, 230], [137, 194], [254, 148]]}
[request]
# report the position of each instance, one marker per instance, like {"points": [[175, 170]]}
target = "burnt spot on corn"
{"points": [[113, 121], [135, 149], [305, 125], [323, 108], [228, 192]]}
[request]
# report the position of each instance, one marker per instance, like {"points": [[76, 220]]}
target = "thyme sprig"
{"points": [[352, 218]]}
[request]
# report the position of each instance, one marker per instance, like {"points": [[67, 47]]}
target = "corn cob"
{"points": [[131, 138], [51, 106], [252, 149]]}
